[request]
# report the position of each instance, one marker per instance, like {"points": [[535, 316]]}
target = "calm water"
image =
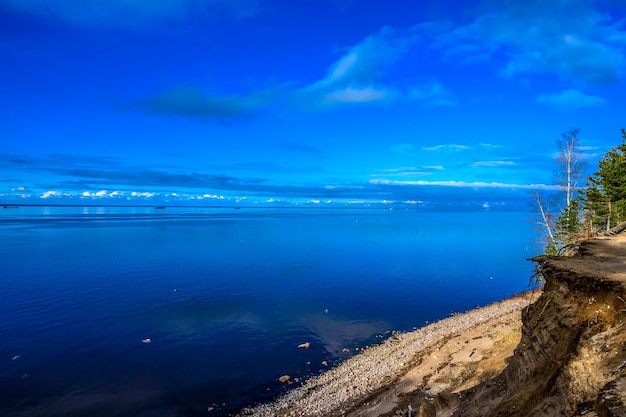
{"points": [[225, 296]]}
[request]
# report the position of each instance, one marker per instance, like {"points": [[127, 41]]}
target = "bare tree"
{"points": [[545, 222], [570, 165]]}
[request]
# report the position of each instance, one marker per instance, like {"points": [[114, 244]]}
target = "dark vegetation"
{"points": [[576, 211]]}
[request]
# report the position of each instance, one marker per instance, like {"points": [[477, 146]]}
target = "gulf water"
{"points": [[109, 311]]}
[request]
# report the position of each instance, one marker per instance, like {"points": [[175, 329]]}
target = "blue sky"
{"points": [[309, 101]]}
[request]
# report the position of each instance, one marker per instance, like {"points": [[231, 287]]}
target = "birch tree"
{"points": [[545, 223], [569, 170], [562, 228], [570, 166]]}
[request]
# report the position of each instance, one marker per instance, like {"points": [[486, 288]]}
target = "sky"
{"points": [[340, 102]]}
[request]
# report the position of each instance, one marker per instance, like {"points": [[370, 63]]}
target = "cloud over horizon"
{"points": [[125, 183]]}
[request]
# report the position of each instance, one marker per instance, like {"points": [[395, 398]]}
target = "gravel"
{"points": [[374, 367]]}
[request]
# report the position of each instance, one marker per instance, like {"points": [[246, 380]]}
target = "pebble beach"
{"points": [[375, 367]]}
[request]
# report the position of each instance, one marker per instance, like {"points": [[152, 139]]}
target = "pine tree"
{"points": [[605, 196]]}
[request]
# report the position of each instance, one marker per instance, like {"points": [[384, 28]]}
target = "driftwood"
{"points": [[618, 229], [569, 250]]}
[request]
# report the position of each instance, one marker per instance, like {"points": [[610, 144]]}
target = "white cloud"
{"points": [[145, 194], [101, 194], [211, 196], [492, 164], [51, 193], [464, 184], [446, 148], [342, 68], [570, 99], [367, 61], [359, 95], [489, 146], [360, 75], [125, 195], [411, 171]]}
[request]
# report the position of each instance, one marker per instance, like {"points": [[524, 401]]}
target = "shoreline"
{"points": [[358, 381]]}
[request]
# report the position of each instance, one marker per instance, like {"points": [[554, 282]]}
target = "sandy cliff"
{"points": [[571, 360]]}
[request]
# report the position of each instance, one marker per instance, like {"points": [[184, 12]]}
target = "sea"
{"points": [[197, 311]]}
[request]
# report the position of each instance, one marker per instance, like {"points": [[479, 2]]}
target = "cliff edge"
{"points": [[571, 360], [563, 355]]}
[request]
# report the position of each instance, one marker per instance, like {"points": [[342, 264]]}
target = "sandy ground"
{"points": [[452, 364], [447, 356]]}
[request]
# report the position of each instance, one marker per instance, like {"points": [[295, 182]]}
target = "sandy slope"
{"points": [[449, 355]]}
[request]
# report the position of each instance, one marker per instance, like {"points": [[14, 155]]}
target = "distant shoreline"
{"points": [[399, 206]]}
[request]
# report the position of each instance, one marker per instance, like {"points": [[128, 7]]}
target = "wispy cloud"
{"points": [[568, 39], [482, 164], [360, 95], [362, 74], [446, 148], [489, 146], [410, 171], [570, 99], [367, 61], [463, 184]]}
